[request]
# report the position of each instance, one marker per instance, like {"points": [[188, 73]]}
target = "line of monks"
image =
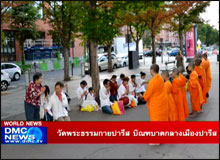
{"points": [[166, 100]]}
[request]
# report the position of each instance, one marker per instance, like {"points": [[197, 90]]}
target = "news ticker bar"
{"points": [[40, 132]]}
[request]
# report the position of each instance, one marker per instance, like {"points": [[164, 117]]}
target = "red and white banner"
{"points": [[125, 132], [190, 44]]}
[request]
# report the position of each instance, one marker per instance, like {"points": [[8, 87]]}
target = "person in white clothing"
{"points": [[104, 95], [44, 115], [58, 103], [141, 87], [82, 93], [120, 80], [132, 86], [90, 100]]}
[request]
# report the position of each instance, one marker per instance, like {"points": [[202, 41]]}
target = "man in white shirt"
{"points": [[120, 80], [58, 103], [82, 92], [104, 95]]}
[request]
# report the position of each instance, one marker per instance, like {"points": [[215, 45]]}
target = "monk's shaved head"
{"points": [[165, 73], [191, 66], [204, 55], [176, 71], [155, 68], [198, 56], [198, 61]]}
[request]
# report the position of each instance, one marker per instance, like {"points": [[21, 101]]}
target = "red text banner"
{"points": [[126, 132]]}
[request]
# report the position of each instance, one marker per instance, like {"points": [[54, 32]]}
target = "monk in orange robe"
{"points": [[195, 90], [206, 65], [156, 97], [183, 91], [172, 110], [177, 95], [202, 77]]}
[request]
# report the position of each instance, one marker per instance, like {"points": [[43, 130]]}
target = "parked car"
{"points": [[175, 51], [5, 80], [150, 53], [103, 63], [12, 69], [122, 59]]}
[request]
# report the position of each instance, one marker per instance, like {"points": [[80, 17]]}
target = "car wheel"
{"points": [[124, 64], [100, 69], [4, 86], [16, 76], [115, 66]]}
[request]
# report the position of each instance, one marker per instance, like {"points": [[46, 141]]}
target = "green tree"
{"points": [[186, 14], [94, 31], [208, 34], [65, 18], [23, 19], [155, 19], [146, 39], [111, 23], [133, 15]]}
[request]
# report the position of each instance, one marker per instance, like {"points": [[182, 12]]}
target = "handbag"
{"points": [[133, 104], [115, 108], [121, 107]]}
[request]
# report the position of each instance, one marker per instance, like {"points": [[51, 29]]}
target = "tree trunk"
{"points": [[137, 45], [181, 34], [95, 69], [66, 63], [153, 50], [109, 58], [22, 55]]}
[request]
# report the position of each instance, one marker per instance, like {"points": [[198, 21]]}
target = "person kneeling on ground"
{"points": [[58, 103], [90, 100], [82, 93], [104, 95], [113, 89]]}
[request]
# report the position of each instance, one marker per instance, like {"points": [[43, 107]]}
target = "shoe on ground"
{"points": [[192, 115], [154, 144]]}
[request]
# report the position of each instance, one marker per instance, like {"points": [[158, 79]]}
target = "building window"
{"points": [[8, 49]]}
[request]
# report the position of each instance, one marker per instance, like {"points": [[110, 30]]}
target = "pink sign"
{"points": [[190, 44]]}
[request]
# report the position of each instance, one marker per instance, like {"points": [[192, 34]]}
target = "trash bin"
{"points": [[82, 69]]}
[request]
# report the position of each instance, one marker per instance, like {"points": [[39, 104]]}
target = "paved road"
{"points": [[122, 151]]}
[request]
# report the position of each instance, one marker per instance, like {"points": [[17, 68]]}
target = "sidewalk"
{"points": [[13, 103]]}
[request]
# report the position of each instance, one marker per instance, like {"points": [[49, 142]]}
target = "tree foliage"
{"points": [[208, 34], [22, 20], [186, 14], [65, 18]]}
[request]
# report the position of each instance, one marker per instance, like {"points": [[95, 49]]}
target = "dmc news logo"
{"points": [[23, 135]]}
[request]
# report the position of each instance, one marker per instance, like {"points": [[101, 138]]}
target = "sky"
{"points": [[212, 14]]}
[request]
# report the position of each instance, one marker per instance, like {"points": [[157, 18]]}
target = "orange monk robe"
{"points": [[177, 97], [206, 65], [202, 81], [195, 90], [172, 110], [156, 98], [182, 85]]}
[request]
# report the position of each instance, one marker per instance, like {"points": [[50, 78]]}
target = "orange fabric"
{"points": [[202, 81], [178, 99], [195, 90], [206, 65], [183, 91], [157, 101], [172, 110]]}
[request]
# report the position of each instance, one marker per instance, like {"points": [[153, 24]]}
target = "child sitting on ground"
{"points": [[90, 100]]}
